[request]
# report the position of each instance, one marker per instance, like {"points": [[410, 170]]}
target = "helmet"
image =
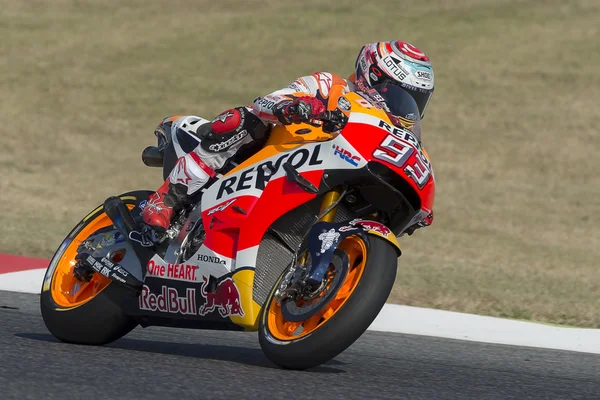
{"points": [[398, 62]]}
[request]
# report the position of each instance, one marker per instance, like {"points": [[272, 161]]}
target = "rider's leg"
{"points": [[228, 133], [189, 175]]}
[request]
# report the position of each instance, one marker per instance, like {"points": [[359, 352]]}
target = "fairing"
{"points": [[238, 209]]}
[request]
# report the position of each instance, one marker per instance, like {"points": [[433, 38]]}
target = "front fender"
{"points": [[377, 229], [324, 238]]}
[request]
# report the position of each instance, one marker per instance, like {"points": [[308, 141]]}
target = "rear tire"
{"points": [[99, 318], [346, 325], [97, 322]]}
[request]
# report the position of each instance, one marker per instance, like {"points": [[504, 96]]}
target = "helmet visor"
{"points": [[422, 98], [401, 105]]}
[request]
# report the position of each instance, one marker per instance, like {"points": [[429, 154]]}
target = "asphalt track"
{"points": [[160, 363]]}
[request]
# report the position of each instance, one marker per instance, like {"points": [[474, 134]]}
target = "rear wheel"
{"points": [[322, 336], [81, 312]]}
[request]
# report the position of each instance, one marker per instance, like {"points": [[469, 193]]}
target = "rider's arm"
{"points": [[270, 107]]}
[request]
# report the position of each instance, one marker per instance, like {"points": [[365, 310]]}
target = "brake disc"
{"points": [[290, 309]]}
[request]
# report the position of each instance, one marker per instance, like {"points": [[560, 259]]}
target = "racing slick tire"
{"points": [[369, 281], [86, 312]]}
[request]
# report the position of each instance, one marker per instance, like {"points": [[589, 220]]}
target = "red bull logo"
{"points": [[168, 301], [226, 299]]}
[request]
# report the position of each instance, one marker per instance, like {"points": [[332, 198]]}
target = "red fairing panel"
{"points": [[222, 224], [279, 197], [240, 207], [397, 148], [233, 231]]}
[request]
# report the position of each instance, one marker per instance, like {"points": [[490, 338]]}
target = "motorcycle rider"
{"points": [[304, 100]]}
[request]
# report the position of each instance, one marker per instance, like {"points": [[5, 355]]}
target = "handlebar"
{"points": [[334, 116], [333, 120]]}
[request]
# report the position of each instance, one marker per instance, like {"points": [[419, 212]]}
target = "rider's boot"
{"points": [[189, 175], [159, 208]]}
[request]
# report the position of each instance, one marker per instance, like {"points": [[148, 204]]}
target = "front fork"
{"points": [[325, 236], [329, 198], [327, 213]]}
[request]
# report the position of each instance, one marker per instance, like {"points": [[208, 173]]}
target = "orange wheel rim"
{"points": [[68, 291], [286, 330]]}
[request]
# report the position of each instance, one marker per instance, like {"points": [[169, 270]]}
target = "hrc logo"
{"points": [[346, 155]]}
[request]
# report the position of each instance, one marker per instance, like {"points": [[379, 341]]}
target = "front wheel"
{"points": [[324, 335], [81, 312]]}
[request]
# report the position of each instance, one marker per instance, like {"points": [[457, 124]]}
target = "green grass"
{"points": [[512, 128]]}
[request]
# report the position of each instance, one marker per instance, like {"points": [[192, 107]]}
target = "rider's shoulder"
{"points": [[329, 77], [325, 81]]}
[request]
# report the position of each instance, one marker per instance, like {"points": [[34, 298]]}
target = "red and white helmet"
{"points": [[399, 62]]}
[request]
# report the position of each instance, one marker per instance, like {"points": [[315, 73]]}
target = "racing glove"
{"points": [[302, 109]]}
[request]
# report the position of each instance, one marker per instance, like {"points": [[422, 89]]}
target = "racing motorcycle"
{"points": [[297, 241]]}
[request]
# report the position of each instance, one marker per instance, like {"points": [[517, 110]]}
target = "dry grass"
{"points": [[512, 128]]}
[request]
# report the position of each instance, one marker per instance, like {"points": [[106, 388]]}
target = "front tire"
{"points": [[86, 312], [309, 343]]}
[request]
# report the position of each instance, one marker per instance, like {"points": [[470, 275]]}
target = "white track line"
{"points": [[422, 321], [23, 281], [478, 328]]}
